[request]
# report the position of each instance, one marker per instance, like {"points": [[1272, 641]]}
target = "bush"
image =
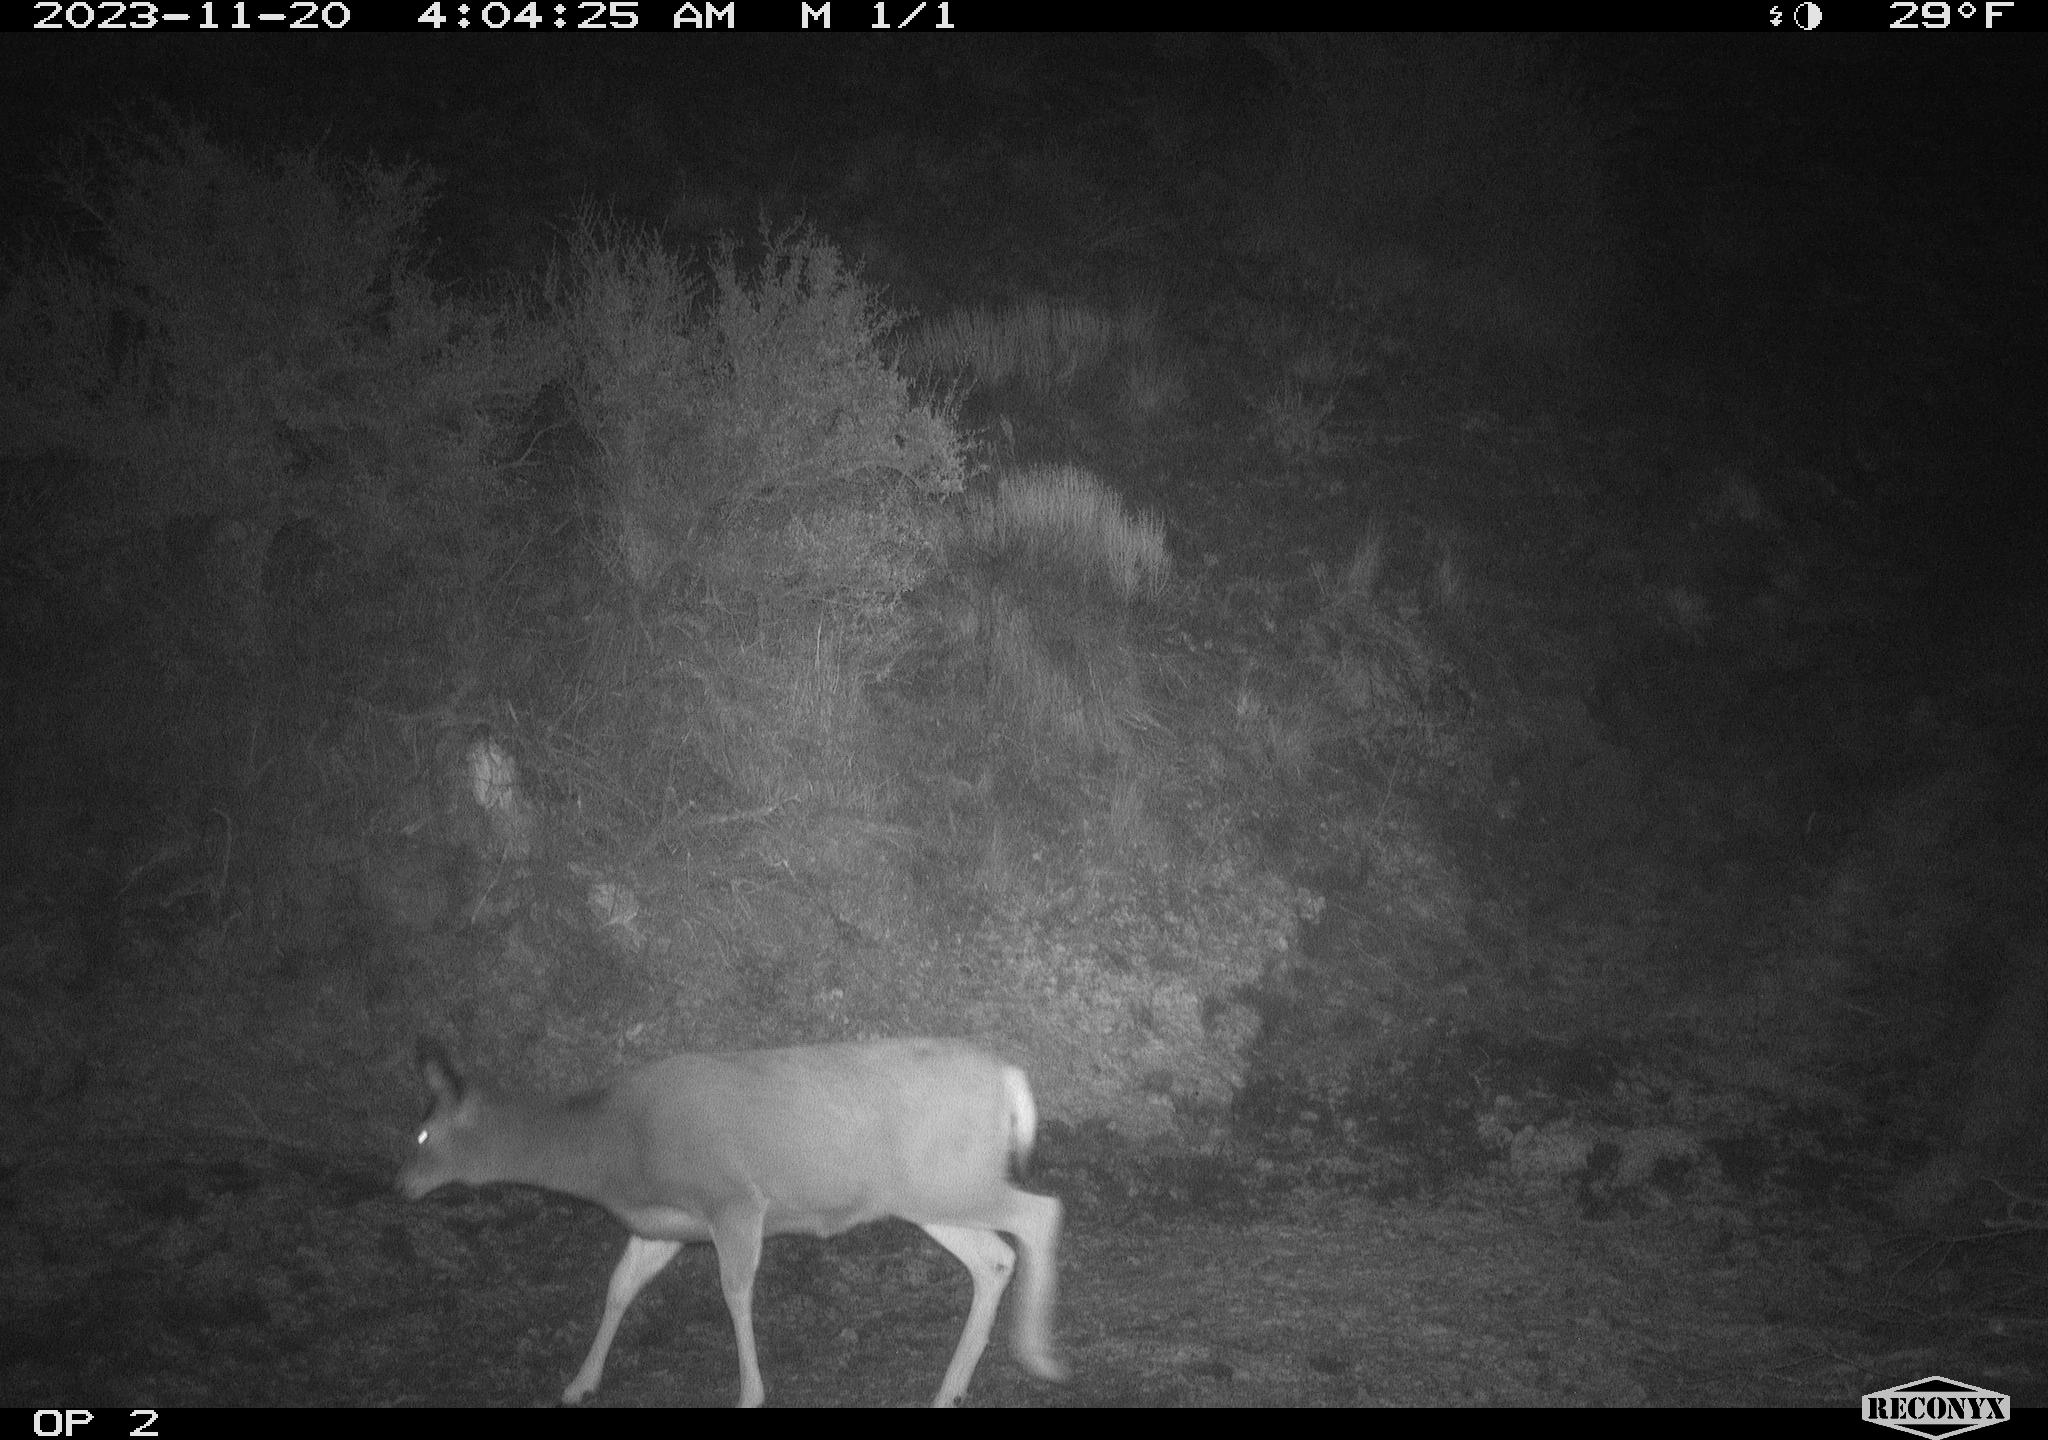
{"points": [[249, 346], [729, 403]]}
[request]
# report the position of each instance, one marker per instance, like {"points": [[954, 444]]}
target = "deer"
{"points": [[737, 1146]]}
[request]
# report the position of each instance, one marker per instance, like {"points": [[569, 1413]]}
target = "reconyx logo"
{"points": [[1936, 1407]]}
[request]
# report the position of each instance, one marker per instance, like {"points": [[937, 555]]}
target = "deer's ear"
{"points": [[439, 1072]]}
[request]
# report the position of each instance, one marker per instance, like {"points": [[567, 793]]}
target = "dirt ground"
{"points": [[207, 1271]]}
